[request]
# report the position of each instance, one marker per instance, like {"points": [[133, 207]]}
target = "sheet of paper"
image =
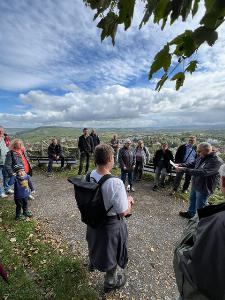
{"points": [[173, 164]]}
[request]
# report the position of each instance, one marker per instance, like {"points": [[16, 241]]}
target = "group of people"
{"points": [[107, 244]]}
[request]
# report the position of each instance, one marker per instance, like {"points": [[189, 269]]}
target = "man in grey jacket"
{"points": [[205, 177]]}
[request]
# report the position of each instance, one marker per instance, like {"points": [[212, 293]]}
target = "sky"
{"points": [[54, 71]]}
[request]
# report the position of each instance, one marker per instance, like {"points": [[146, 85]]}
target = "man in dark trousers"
{"points": [[205, 178], [55, 153], [162, 165], [186, 154], [95, 137], [86, 147]]}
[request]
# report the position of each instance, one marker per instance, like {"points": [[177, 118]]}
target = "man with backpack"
{"points": [[142, 157], [86, 147], [186, 154], [103, 204]]}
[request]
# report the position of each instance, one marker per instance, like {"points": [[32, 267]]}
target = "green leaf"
{"points": [[176, 10], [109, 25], [126, 11], [161, 9], [179, 77], [161, 82], [161, 60], [195, 7], [185, 44], [185, 11], [102, 6], [203, 34], [149, 8], [192, 66]]}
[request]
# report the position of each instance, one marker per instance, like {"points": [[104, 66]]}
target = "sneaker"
{"points": [[132, 189], [120, 282], [128, 188], [31, 197], [49, 174], [184, 214], [28, 214], [155, 188], [20, 218], [3, 195], [10, 192]]}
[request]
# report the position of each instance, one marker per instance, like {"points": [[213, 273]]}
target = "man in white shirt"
{"points": [[107, 244]]}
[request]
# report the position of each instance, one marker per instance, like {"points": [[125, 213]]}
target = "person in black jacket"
{"points": [[162, 165], [95, 137], [186, 154], [55, 153], [205, 178], [86, 147]]}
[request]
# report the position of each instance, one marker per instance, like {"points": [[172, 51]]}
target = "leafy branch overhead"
{"points": [[176, 57]]}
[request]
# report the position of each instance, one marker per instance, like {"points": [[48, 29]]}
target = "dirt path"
{"points": [[153, 230]]}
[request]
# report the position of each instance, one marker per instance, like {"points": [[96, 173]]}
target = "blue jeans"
{"points": [[197, 200], [5, 180], [124, 175]]}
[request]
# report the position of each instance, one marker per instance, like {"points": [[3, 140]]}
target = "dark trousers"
{"points": [[21, 204], [51, 160], [138, 171], [124, 175], [177, 182], [84, 156]]}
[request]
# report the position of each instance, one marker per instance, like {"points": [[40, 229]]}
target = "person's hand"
{"points": [[180, 169], [33, 192], [57, 157], [133, 167], [124, 168], [130, 200]]}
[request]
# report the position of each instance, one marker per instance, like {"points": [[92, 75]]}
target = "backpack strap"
{"points": [[104, 178]]}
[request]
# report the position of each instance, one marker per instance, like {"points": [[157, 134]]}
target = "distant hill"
{"points": [[45, 133]]}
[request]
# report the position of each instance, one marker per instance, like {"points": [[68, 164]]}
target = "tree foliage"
{"points": [[176, 54]]}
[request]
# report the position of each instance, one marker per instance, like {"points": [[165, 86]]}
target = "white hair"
{"points": [[205, 145]]}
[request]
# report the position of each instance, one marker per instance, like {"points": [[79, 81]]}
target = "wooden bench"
{"points": [[43, 161], [149, 168]]}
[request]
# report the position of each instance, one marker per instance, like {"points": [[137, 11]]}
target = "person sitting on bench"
{"points": [[55, 153]]}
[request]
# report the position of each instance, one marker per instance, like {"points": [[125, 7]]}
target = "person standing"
{"points": [[95, 137], [142, 157], [186, 154], [6, 189], [107, 244], [86, 147], [17, 156], [205, 178], [115, 144], [162, 165], [55, 152], [126, 161]]}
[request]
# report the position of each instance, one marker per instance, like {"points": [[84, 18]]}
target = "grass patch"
{"points": [[38, 264]]}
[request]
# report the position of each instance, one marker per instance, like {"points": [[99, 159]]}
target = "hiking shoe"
{"points": [[120, 282], [20, 218], [28, 214], [185, 214], [31, 197], [3, 195], [132, 189], [128, 188], [155, 188], [10, 192]]}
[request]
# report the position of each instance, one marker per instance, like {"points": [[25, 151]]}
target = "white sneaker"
{"points": [[10, 192], [132, 189], [31, 197], [128, 188], [3, 195]]}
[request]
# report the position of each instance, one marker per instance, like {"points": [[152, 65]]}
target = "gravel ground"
{"points": [[153, 228]]}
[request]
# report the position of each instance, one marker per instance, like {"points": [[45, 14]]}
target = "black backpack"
{"points": [[89, 200]]}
